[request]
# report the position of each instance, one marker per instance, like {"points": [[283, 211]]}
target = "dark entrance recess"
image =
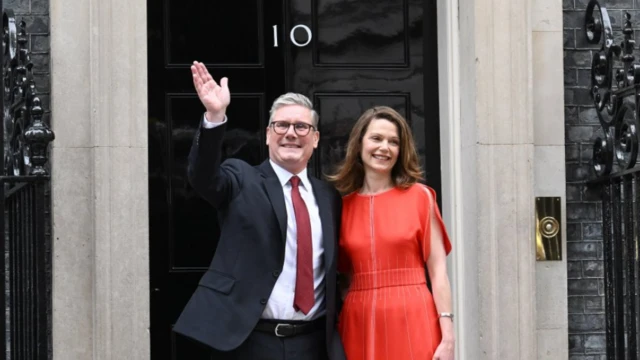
{"points": [[360, 54]]}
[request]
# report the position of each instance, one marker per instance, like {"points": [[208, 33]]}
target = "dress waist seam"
{"points": [[387, 278]]}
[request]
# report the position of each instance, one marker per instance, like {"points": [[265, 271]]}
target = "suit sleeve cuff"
{"points": [[210, 125]]}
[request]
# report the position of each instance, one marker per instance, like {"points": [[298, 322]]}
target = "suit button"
{"points": [[263, 301], [276, 273]]}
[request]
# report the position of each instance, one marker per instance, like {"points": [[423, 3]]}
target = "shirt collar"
{"points": [[284, 176]]}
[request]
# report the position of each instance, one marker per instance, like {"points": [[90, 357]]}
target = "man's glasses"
{"points": [[281, 127]]}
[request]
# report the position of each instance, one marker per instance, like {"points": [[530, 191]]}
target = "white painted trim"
{"points": [[450, 146]]}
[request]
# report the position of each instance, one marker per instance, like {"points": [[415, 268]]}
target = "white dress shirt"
{"points": [[210, 124], [280, 303]]}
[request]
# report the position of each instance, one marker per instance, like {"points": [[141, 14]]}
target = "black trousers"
{"points": [[264, 346]]}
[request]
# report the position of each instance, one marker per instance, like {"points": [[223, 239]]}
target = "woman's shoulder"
{"points": [[421, 189], [422, 192]]}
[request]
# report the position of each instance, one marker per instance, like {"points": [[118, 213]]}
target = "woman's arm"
{"points": [[441, 288]]}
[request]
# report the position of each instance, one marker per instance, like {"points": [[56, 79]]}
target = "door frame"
{"points": [[90, 64], [447, 33], [85, 152], [449, 94]]}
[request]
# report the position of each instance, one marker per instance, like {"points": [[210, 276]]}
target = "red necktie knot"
{"points": [[295, 181]]}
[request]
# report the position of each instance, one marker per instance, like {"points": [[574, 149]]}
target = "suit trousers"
{"points": [[265, 346]]}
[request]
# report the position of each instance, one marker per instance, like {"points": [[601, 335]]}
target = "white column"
{"points": [[99, 184], [487, 133], [549, 168], [458, 193]]}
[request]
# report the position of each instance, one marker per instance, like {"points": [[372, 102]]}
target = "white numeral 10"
{"points": [[291, 35]]}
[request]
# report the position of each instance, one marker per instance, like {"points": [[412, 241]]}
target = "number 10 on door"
{"points": [[292, 35]]}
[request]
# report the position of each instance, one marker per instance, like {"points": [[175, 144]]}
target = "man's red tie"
{"points": [[304, 296]]}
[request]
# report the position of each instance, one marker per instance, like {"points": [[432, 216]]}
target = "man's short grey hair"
{"points": [[294, 99]]}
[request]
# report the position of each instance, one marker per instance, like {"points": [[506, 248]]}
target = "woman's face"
{"points": [[380, 146]]}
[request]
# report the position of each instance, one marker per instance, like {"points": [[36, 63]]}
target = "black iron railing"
{"points": [[26, 266], [615, 89]]}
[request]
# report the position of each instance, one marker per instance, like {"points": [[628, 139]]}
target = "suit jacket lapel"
{"points": [[324, 207], [276, 197]]}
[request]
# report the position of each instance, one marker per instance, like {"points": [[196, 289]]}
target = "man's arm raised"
{"points": [[214, 97], [214, 182]]}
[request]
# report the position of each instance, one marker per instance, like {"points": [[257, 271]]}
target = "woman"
{"points": [[391, 228]]}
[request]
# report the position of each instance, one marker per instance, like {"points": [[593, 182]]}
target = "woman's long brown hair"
{"points": [[349, 176]]}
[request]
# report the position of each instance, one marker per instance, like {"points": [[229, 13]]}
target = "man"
{"points": [[270, 291]]}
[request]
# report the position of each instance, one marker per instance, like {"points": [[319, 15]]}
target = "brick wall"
{"points": [[584, 211], [36, 15]]}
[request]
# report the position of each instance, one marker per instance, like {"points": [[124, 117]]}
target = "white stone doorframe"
{"points": [[464, 293], [502, 143], [100, 180], [100, 194], [449, 96], [486, 135]]}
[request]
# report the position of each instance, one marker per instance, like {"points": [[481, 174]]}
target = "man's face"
{"points": [[290, 150]]}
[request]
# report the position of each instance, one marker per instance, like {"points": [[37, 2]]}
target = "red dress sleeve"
{"points": [[432, 210]]}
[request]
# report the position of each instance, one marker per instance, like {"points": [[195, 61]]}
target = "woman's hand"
{"points": [[445, 350]]}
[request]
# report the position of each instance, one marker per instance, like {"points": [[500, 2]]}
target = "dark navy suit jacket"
{"points": [[232, 294]]}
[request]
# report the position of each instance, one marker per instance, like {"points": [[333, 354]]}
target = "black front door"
{"points": [[345, 55]]}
